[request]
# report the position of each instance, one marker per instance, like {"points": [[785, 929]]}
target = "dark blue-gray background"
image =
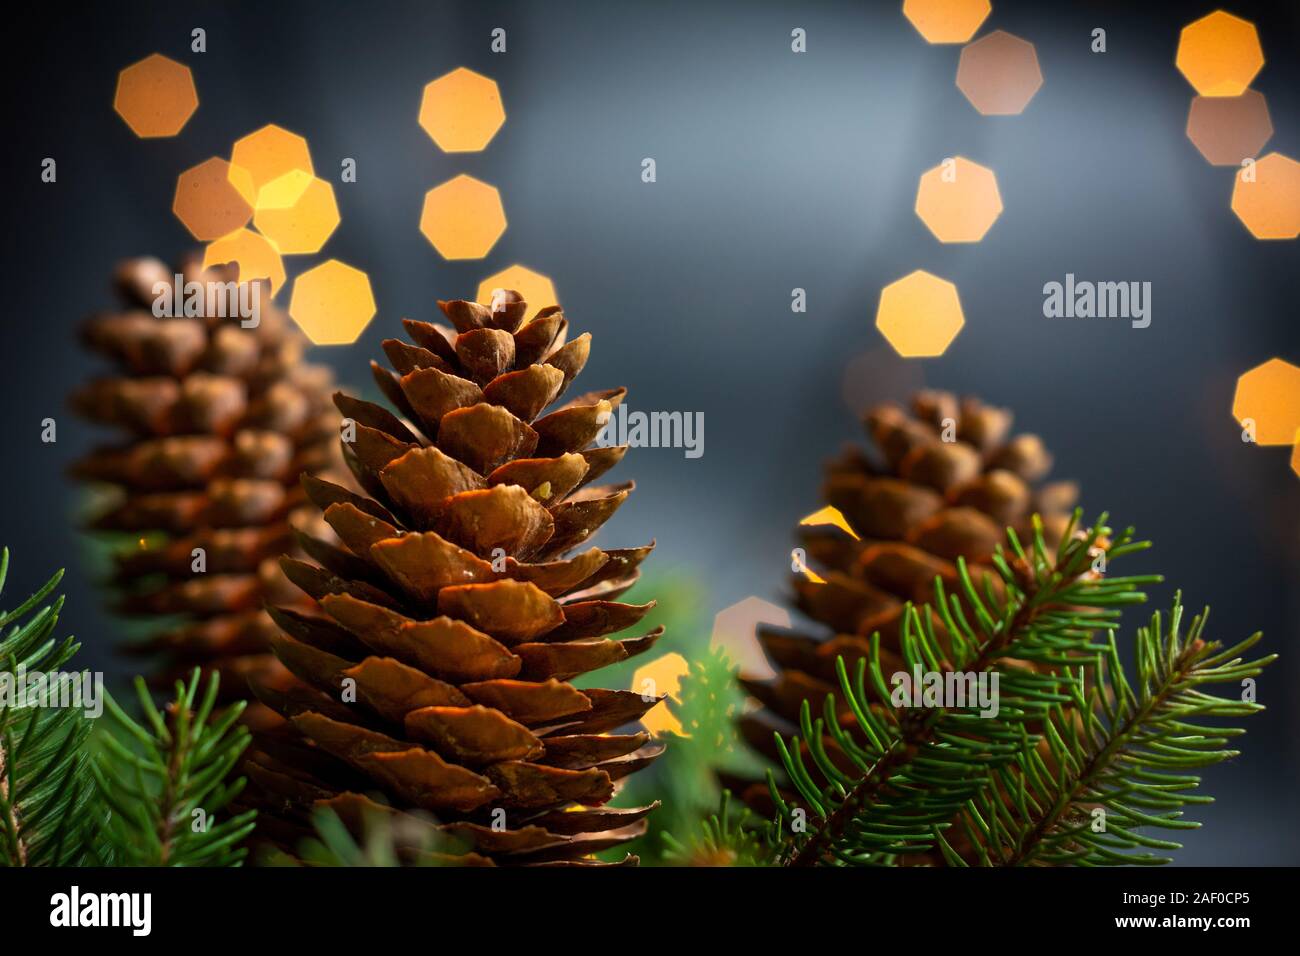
{"points": [[775, 171]]}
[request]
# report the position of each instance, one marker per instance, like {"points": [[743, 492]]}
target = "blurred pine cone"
{"points": [[220, 421], [438, 675], [941, 482]]}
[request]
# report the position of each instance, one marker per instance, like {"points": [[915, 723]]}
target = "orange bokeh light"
{"points": [[919, 315], [304, 226], [207, 203], [1219, 54], [1269, 396], [462, 111], [256, 256], [266, 155], [1269, 204], [829, 516], [536, 289], [999, 74], [661, 676], [156, 97], [946, 21], [463, 218], [1229, 129], [958, 200], [332, 303]]}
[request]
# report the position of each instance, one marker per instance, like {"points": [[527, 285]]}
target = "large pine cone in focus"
{"points": [[437, 678], [220, 421], [941, 482]]}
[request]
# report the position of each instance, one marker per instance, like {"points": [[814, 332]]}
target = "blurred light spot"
{"points": [[876, 376], [1219, 54], [461, 111], [156, 96], [1228, 129], [256, 255], [1269, 395], [999, 74], [283, 191], [829, 516], [1270, 204], [661, 676], [207, 203], [536, 289], [304, 226], [958, 200], [463, 218], [267, 154], [946, 21], [919, 315], [332, 303], [735, 630], [1295, 455]]}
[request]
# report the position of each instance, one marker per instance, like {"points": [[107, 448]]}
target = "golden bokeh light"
{"points": [[283, 191], [156, 97], [735, 631], [1219, 54], [999, 74], [463, 218], [919, 315], [461, 111], [266, 155], [207, 203], [946, 21], [304, 226], [1295, 455], [1266, 197], [661, 676], [1267, 401], [536, 289], [256, 256], [829, 515], [1229, 129], [332, 303], [958, 200]]}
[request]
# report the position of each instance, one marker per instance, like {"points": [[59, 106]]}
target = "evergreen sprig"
{"points": [[167, 780], [46, 800], [1112, 763]]}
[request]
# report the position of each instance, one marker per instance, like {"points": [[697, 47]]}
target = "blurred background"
{"points": [[775, 170]]}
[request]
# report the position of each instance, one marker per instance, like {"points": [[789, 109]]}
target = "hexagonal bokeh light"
{"points": [[463, 218], [332, 303], [999, 74], [305, 225], [946, 21], [735, 630], [207, 203], [661, 676], [1266, 197], [255, 255], [1269, 396], [536, 289], [1219, 54], [919, 315], [1229, 129], [958, 200], [156, 96], [266, 155], [462, 111]]}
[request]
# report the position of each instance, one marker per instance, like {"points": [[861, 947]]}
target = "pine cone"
{"points": [[221, 420], [944, 482], [438, 674]]}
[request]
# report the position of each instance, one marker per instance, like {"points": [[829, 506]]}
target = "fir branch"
{"points": [[1110, 764], [919, 766], [46, 801], [166, 781], [726, 839]]}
